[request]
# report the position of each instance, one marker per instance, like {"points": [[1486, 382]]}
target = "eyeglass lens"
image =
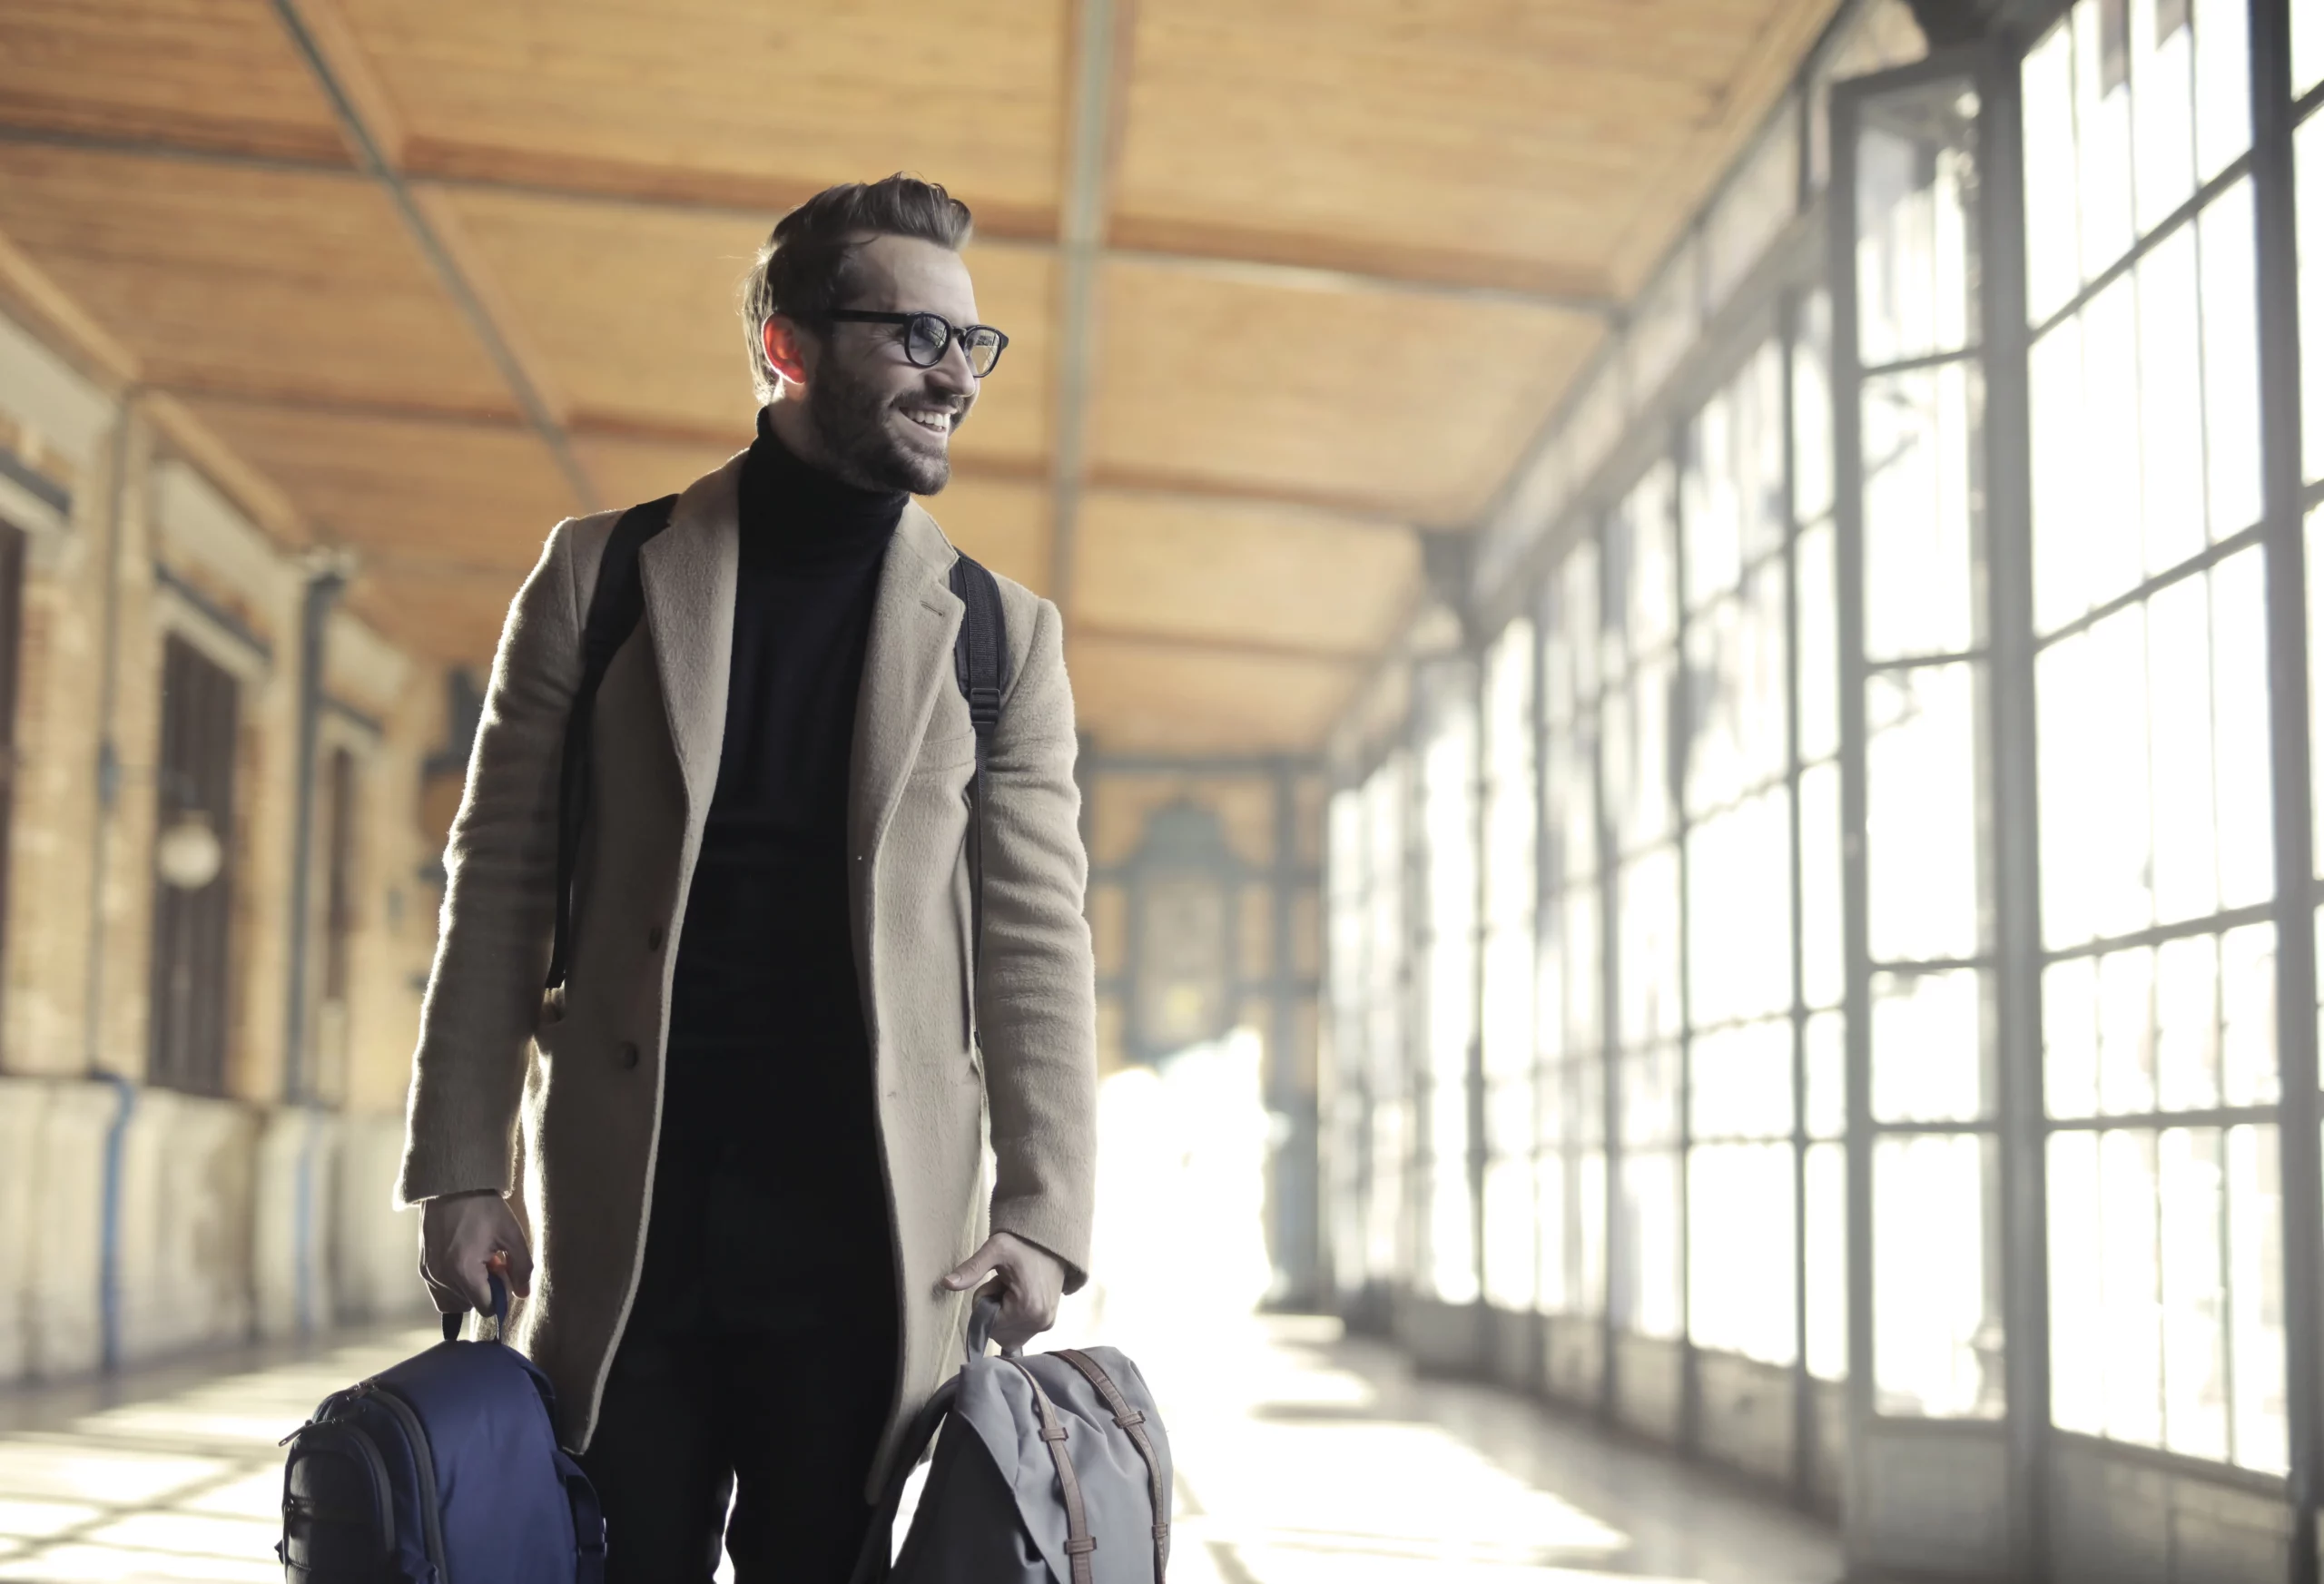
{"points": [[927, 338]]}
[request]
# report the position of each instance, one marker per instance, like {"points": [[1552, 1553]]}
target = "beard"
{"points": [[850, 417]]}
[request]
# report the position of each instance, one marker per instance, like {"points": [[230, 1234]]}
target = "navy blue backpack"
{"points": [[443, 1470]]}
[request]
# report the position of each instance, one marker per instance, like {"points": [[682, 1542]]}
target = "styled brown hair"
{"points": [[802, 269]]}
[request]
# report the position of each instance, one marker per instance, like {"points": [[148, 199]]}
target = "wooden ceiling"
{"points": [[434, 274]]}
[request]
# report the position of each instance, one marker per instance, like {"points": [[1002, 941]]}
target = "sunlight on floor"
{"points": [[1304, 1457], [182, 1487]]}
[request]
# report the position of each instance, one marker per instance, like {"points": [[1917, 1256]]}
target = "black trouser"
{"points": [[784, 1422]]}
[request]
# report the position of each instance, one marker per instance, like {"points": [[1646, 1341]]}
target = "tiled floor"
{"points": [[1302, 1457], [167, 1475]]}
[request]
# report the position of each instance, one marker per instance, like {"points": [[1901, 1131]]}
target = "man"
{"points": [[745, 1140]]}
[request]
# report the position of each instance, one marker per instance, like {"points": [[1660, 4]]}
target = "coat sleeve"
{"points": [[484, 992], [1037, 1003]]}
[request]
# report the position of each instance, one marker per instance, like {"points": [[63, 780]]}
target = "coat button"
{"points": [[654, 938], [627, 1053]]}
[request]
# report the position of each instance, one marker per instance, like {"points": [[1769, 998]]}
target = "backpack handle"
{"points": [[452, 1322], [981, 1319]]}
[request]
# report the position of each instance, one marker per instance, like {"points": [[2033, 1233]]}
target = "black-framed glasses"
{"points": [[929, 336]]}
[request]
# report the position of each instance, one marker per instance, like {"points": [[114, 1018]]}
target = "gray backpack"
{"points": [[1051, 1469]]}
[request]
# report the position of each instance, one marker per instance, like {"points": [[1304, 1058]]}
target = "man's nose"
{"points": [[952, 373]]}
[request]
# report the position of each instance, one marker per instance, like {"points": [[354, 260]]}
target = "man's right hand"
{"points": [[463, 1237]]}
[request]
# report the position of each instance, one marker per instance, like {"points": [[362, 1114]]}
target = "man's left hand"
{"points": [[1032, 1280]]}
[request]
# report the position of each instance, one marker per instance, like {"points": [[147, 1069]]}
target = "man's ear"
{"points": [[786, 347]]}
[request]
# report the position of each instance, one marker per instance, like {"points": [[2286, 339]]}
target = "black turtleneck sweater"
{"points": [[768, 1190]]}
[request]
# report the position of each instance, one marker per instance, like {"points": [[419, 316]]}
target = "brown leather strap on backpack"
{"points": [[1133, 1423], [1079, 1543]]}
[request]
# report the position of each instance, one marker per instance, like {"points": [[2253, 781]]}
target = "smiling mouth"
{"points": [[936, 421]]}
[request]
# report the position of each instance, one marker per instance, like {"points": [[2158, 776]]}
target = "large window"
{"points": [[1448, 986], [1512, 1244], [1734, 777], [1570, 1217], [1635, 753], [193, 902], [2148, 604], [1894, 845]]}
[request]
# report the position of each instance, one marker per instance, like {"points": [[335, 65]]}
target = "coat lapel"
{"points": [[688, 574], [908, 654]]}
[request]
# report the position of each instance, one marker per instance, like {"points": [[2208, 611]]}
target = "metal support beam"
{"points": [[1080, 235], [2015, 875], [2275, 202], [325, 583], [373, 161]]}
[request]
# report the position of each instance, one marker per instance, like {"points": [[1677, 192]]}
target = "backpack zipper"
{"points": [[407, 1418]]}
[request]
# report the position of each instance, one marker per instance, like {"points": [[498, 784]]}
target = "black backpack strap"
{"points": [[615, 606], [981, 662]]}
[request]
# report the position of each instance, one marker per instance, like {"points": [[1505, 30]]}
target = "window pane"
{"points": [[1643, 577], [1648, 1295], [1827, 1254], [2240, 760], [1739, 1250], [2247, 1022], [1820, 645], [1583, 967], [2256, 1297], [1921, 430], [1509, 1233], [2102, 94], [1448, 802], [1590, 1180], [1740, 1082], [1634, 756], [2077, 1298], [1828, 1094], [1388, 1242], [1936, 1324], [1928, 1058], [1915, 188], [2222, 83], [2086, 505], [1738, 914], [2053, 265], [2307, 149], [2170, 394], [1554, 1245], [1819, 885], [1646, 913], [1922, 852], [2230, 324], [2162, 104], [2130, 1337], [2096, 822], [1811, 409], [2195, 1376]]}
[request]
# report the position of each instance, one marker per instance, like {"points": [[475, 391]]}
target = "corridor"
{"points": [[1304, 1458], [1675, 649]]}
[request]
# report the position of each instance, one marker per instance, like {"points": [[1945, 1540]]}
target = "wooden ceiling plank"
{"points": [[1248, 255], [375, 161], [375, 107]]}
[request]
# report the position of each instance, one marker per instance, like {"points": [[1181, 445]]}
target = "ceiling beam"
{"points": [[1099, 63], [1288, 263], [372, 158], [582, 425]]}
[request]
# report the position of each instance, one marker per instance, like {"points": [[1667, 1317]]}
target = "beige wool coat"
{"points": [[558, 1097]]}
